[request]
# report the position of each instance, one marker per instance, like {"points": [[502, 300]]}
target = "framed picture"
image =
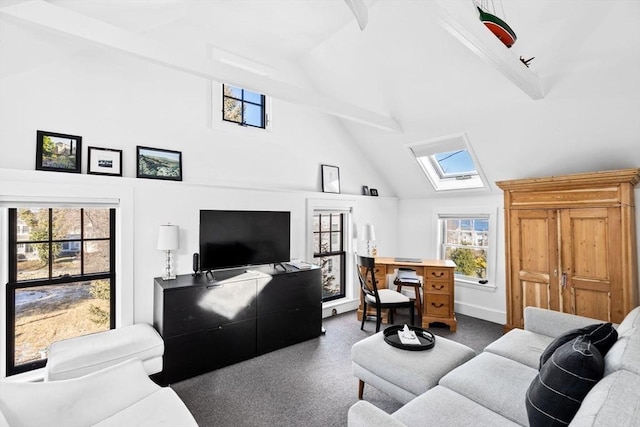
{"points": [[330, 179], [104, 161], [365, 190], [58, 152], [156, 163], [373, 192]]}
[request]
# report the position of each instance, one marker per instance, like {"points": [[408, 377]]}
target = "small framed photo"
{"points": [[104, 161], [156, 163], [58, 152], [373, 192], [330, 179], [365, 190]]}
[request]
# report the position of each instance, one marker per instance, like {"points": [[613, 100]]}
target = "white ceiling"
{"points": [[406, 67]]}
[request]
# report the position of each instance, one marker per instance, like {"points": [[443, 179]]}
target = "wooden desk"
{"points": [[437, 286]]}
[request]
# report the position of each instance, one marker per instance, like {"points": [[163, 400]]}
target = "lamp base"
{"points": [[168, 277]]}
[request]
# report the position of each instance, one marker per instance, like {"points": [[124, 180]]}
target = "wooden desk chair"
{"points": [[408, 277], [379, 298]]}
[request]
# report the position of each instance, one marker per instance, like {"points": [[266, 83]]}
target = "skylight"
{"points": [[449, 163]]}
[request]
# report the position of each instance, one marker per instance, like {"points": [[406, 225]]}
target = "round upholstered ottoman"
{"points": [[404, 374]]}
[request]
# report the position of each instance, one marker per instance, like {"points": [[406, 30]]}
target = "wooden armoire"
{"points": [[570, 245]]}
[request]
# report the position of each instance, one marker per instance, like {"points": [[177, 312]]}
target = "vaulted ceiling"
{"points": [[420, 70]]}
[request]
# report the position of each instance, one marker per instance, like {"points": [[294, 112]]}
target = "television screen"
{"points": [[239, 238]]}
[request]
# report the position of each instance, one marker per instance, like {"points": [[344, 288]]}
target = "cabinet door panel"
{"points": [[289, 291], [591, 256], [533, 263], [194, 309]]}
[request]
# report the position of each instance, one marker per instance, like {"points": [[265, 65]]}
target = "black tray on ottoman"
{"points": [[426, 338]]}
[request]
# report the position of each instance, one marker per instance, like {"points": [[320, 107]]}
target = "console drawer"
{"points": [[437, 287], [438, 274], [437, 305]]}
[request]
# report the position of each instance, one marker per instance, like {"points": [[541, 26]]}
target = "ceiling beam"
{"points": [[106, 35], [461, 20]]}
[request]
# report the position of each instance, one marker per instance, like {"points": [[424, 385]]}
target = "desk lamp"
{"points": [[369, 236], [168, 240]]}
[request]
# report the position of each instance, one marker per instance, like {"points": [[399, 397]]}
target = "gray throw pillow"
{"points": [[555, 395]]}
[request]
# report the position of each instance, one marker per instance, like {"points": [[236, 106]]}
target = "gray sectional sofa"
{"points": [[490, 389]]}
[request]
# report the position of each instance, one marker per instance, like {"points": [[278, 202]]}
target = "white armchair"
{"points": [[120, 395]]}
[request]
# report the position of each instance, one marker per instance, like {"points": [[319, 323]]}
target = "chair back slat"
{"points": [[366, 276]]}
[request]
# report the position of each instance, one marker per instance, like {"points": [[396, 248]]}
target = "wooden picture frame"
{"points": [[157, 163], [330, 179], [58, 152], [104, 161]]}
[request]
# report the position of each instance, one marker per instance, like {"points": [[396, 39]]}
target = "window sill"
{"points": [[488, 287]]}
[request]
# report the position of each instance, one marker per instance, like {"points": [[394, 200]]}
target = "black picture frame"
{"points": [[373, 192], [104, 161], [157, 163], [330, 179], [58, 152], [365, 190]]}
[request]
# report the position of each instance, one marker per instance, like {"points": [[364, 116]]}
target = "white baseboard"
{"points": [[479, 312], [340, 306]]}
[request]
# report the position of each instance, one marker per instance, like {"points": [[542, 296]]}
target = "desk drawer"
{"points": [[437, 305], [381, 276], [439, 274], [434, 287]]}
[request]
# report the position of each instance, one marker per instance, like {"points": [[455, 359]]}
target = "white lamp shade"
{"points": [[368, 232], [168, 237]]}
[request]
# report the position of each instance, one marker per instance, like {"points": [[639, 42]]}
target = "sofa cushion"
{"points": [[441, 406], [625, 354], [75, 357], [614, 401], [520, 345], [630, 323], [602, 335], [555, 395], [495, 382]]}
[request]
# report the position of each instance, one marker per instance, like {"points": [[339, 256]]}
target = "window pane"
{"points": [[454, 163], [253, 115], [232, 91], [66, 224], [254, 97], [33, 261], [33, 224], [316, 223], [96, 256], [96, 223], [232, 110], [336, 221], [66, 259], [331, 267], [324, 242], [325, 223], [316, 243], [335, 242], [46, 314]]}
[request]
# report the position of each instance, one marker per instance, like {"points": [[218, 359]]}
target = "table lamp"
{"points": [[168, 240], [369, 236]]}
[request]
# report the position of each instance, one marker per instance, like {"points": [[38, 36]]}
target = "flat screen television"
{"points": [[241, 238]]}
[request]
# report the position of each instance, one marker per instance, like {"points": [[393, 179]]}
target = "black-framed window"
{"points": [[243, 107], [465, 241], [61, 279], [329, 253]]}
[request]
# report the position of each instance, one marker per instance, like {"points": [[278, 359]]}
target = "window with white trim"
{"points": [[465, 241]]}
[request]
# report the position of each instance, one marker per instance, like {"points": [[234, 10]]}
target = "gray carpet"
{"points": [[307, 384]]}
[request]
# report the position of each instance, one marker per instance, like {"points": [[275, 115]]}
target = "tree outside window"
{"points": [[61, 279], [465, 241]]}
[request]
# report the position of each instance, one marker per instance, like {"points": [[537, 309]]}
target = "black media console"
{"points": [[243, 313]]}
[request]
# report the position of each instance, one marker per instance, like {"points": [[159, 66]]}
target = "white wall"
{"points": [[417, 237]]}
